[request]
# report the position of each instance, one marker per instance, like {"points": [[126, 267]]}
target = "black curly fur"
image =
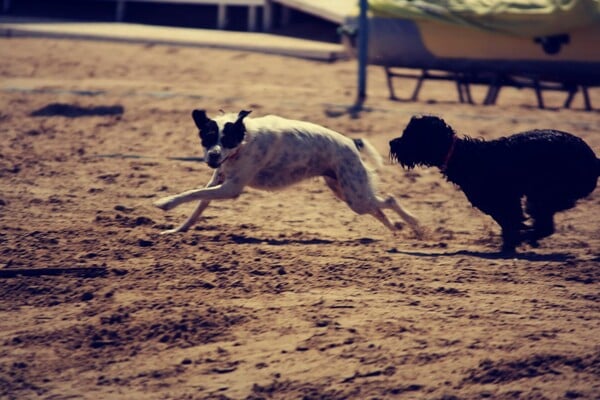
{"points": [[551, 169]]}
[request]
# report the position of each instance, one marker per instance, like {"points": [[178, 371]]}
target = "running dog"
{"points": [[551, 169], [271, 152]]}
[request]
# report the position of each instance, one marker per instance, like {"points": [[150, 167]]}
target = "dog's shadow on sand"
{"points": [[244, 239], [494, 255]]}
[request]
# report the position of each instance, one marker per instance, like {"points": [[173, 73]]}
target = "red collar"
{"points": [[232, 156], [236, 153], [449, 154]]}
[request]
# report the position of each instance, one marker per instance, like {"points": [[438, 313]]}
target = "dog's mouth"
{"points": [[399, 156], [217, 161], [404, 162], [214, 164], [214, 160]]}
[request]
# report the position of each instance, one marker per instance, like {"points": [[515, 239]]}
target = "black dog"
{"points": [[551, 169]]}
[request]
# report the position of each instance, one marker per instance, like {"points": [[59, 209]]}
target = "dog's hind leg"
{"points": [[335, 187], [391, 203], [332, 183], [377, 213], [354, 187], [507, 212], [543, 220]]}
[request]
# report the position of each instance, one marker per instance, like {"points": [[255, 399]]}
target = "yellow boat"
{"points": [[541, 44]]}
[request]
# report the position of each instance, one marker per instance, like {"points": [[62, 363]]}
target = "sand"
{"points": [[274, 295]]}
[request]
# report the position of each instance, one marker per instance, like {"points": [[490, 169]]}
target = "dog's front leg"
{"points": [[227, 190], [216, 179]]}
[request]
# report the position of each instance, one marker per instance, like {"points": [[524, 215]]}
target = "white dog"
{"points": [[271, 153]]}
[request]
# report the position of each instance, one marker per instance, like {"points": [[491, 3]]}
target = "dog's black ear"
{"points": [[243, 114], [239, 124], [200, 118]]}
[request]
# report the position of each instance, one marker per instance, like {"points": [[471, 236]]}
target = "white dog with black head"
{"points": [[271, 152]]}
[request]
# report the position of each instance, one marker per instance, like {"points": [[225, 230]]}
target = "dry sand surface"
{"points": [[284, 295]]}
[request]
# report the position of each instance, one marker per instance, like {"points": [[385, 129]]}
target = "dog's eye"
{"points": [[209, 139], [233, 135], [229, 142], [209, 134], [229, 129]]}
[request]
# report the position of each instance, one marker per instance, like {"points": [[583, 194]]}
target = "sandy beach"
{"points": [[274, 295]]}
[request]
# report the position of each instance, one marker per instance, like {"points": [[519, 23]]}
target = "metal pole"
{"points": [[120, 11], [363, 40]]}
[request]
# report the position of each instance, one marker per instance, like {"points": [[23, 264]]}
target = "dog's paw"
{"points": [[398, 226], [171, 231], [181, 228], [165, 203], [419, 232]]}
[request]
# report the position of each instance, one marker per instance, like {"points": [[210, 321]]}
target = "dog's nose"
{"points": [[213, 159]]}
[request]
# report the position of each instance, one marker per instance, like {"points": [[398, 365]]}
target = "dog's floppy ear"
{"points": [[208, 129], [200, 118]]}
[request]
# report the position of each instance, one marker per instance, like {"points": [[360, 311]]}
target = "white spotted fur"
{"points": [[277, 152]]}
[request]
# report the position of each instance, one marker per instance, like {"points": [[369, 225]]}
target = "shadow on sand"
{"points": [[76, 111], [244, 239], [493, 255]]}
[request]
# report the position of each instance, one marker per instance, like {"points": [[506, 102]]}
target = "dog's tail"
{"points": [[371, 154]]}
